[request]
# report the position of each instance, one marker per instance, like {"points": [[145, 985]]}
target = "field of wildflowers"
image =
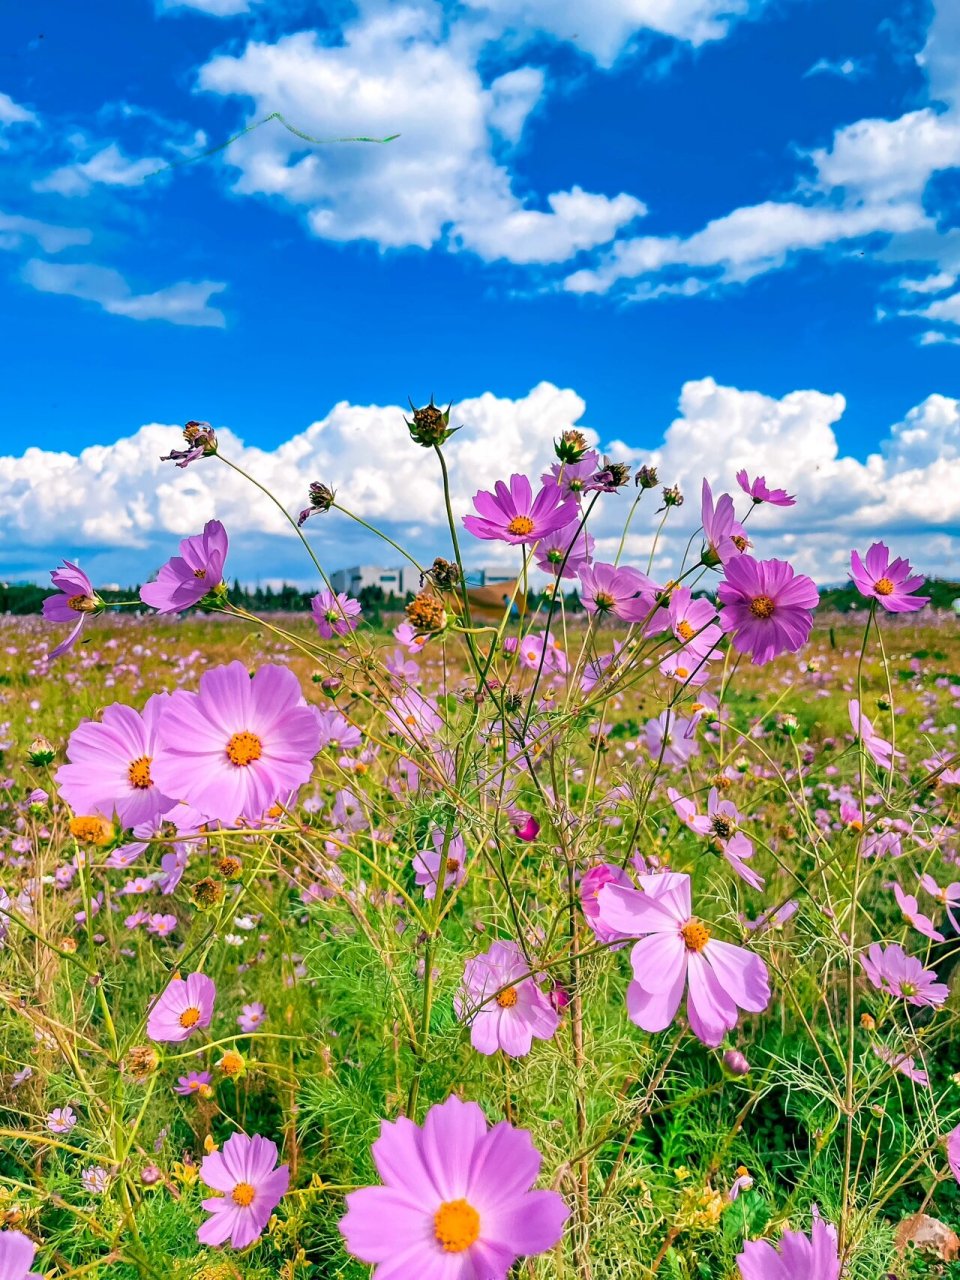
{"points": [[609, 943]]}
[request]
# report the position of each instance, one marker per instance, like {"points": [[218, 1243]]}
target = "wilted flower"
{"points": [[672, 497], [646, 478], [426, 612], [201, 441], [608, 478], [444, 574], [321, 499]]}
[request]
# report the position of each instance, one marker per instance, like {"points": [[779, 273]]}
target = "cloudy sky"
{"points": [[717, 233]]}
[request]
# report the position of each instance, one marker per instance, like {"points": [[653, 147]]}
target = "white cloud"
{"points": [[936, 283], [909, 491], [216, 8], [880, 160], [12, 113], [944, 309], [936, 337], [185, 303], [15, 229], [847, 68], [398, 71], [108, 166]]}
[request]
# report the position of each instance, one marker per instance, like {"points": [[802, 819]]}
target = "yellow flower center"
{"points": [[908, 988], [139, 773], [762, 607], [231, 1064], [90, 828], [883, 587], [685, 631], [603, 600], [81, 604], [695, 935], [456, 1225], [520, 526], [243, 1194], [507, 998], [243, 748], [682, 673], [190, 1017]]}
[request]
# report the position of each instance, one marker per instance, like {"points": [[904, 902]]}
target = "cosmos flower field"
{"points": [[615, 940]]}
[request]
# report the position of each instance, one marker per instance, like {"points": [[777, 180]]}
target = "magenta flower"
{"points": [[112, 765], [725, 536], [184, 1007], [75, 603], [895, 973], [426, 863], [623, 593], [335, 615], [564, 552], [238, 745], [193, 1082], [514, 515], [252, 1186], [953, 1151], [523, 824], [767, 608], [456, 1203], [572, 477], [251, 1017], [502, 1004], [591, 883], [16, 1256], [888, 582], [61, 1119], [677, 952], [878, 748], [195, 572], [801, 1257], [758, 491]]}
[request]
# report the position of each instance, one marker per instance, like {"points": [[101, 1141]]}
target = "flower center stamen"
{"points": [[762, 607], [883, 587], [453, 866], [520, 526], [685, 631], [190, 1017], [507, 998], [139, 773], [85, 604], [722, 827], [243, 1195], [200, 573], [456, 1226], [603, 600], [243, 748], [695, 935]]}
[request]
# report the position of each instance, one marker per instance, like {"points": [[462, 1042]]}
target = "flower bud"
{"points": [[736, 1063], [430, 426], [646, 478]]}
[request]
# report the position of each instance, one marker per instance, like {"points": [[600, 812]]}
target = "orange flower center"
{"points": [[456, 1225], [81, 604], [88, 827], [883, 587], [453, 866], [243, 748], [520, 526], [695, 935], [507, 998], [243, 1194], [139, 773], [684, 630], [762, 607], [190, 1017]]}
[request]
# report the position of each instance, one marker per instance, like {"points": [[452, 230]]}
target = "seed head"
{"points": [[444, 574], [646, 478], [207, 893], [142, 1061], [41, 752], [430, 426], [571, 446], [426, 612], [672, 497]]}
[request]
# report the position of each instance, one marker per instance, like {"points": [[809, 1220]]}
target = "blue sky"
{"points": [[622, 199]]}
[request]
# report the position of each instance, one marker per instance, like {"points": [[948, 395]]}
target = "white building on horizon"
{"points": [[394, 580]]}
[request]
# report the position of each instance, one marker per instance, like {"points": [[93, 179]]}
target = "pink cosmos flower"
{"points": [[456, 1202], [888, 582], [251, 1017], [193, 1082], [725, 536], [252, 1186], [767, 608], [61, 1119], [335, 615], [953, 1151], [238, 745], [573, 477], [185, 579], [677, 952], [564, 552], [184, 1007], [950, 896], [878, 748], [904, 1063], [895, 973], [16, 1255], [666, 737], [426, 863], [514, 515], [693, 623], [758, 491], [912, 913], [801, 1257], [112, 765], [686, 811], [623, 592], [591, 882], [413, 716], [523, 824], [502, 1004], [77, 601]]}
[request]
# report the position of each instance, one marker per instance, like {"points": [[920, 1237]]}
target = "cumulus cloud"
{"points": [[909, 491], [184, 303], [15, 230], [216, 8], [398, 70], [13, 113], [107, 166]]}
